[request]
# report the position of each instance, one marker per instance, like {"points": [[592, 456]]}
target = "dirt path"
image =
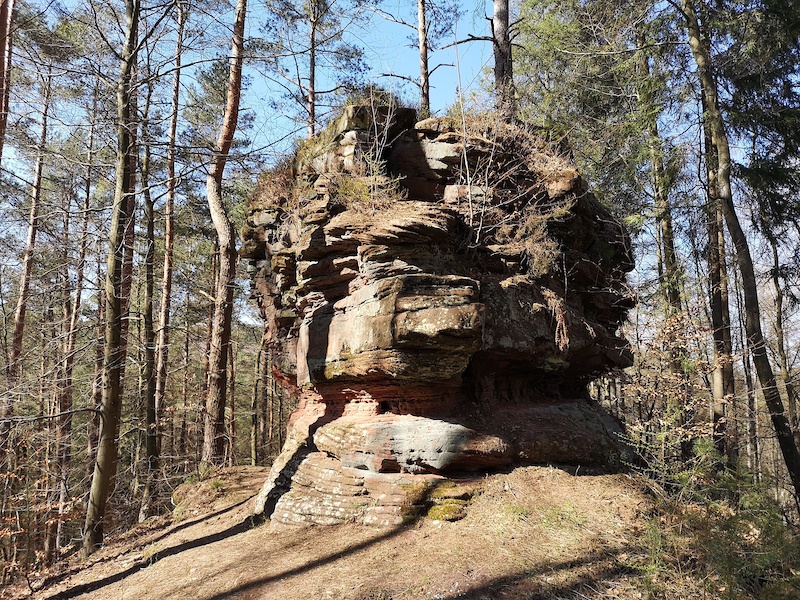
{"points": [[532, 533]]}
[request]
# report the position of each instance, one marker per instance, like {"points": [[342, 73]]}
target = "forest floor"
{"points": [[535, 533]]}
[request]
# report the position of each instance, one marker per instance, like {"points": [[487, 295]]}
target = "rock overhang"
{"points": [[447, 322]]}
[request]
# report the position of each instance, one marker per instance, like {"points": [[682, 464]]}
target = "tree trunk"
{"points": [[424, 74], [503, 64], [670, 273], [713, 121], [107, 445], [72, 319], [753, 443], [257, 385], [96, 398], [210, 322], [311, 93], [214, 418], [162, 344], [182, 432], [148, 372], [231, 405], [6, 37], [33, 228], [780, 338]]}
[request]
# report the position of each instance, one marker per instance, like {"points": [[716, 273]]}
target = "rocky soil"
{"points": [[536, 532]]}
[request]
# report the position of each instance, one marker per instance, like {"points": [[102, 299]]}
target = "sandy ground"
{"points": [[533, 533]]}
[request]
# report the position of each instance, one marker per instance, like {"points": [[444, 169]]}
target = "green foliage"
{"points": [[205, 107], [759, 59], [726, 531], [582, 76]]}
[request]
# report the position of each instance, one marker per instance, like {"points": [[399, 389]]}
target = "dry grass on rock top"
{"points": [[533, 533]]}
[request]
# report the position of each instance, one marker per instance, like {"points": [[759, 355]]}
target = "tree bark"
{"points": [[254, 408], [96, 398], [713, 121], [162, 343], [780, 338], [311, 93], [231, 445], [110, 412], [424, 74], [30, 244], [149, 367], [503, 64], [214, 417], [6, 38]]}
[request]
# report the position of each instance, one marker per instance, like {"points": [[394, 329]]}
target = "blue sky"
{"points": [[388, 49]]}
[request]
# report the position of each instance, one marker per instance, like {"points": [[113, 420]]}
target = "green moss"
{"points": [[416, 493], [448, 510], [453, 491], [444, 489]]}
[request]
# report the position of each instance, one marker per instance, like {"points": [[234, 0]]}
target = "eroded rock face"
{"points": [[439, 320]]}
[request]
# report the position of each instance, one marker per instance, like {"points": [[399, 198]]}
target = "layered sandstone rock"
{"points": [[437, 299]]}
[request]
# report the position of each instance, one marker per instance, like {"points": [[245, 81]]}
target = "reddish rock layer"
{"points": [[438, 316]]}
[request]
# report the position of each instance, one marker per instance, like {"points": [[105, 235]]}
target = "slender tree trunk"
{"points": [[752, 440], [712, 119], [182, 435], [6, 37], [214, 418], [265, 417], [424, 74], [670, 273], [780, 338], [107, 446], [149, 370], [96, 399], [72, 318], [257, 386], [503, 64], [210, 322], [728, 376], [231, 405], [671, 276], [162, 344], [30, 244], [311, 93], [258, 405]]}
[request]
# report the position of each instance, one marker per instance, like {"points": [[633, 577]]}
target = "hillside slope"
{"points": [[535, 532]]}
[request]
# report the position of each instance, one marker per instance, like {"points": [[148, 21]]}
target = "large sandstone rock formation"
{"points": [[438, 297]]}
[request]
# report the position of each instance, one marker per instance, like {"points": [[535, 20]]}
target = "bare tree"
{"points": [[162, 344], [503, 63], [6, 37], [214, 418], [110, 411], [33, 228]]}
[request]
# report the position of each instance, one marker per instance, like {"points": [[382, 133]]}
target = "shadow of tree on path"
{"points": [[91, 586], [54, 579], [529, 585]]}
